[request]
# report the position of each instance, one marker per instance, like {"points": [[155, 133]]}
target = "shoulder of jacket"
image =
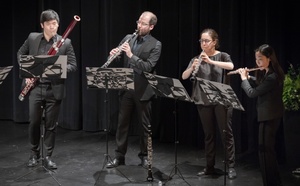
{"points": [[35, 34], [153, 38]]}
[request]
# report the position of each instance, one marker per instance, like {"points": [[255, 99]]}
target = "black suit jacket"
{"points": [[144, 60], [269, 97], [31, 46]]}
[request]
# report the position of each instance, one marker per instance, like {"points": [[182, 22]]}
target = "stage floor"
{"points": [[81, 156]]}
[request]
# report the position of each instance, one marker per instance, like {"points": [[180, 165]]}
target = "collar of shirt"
{"points": [[54, 38], [143, 39]]}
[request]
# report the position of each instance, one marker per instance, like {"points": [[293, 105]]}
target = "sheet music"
{"points": [[116, 78], [219, 93], [4, 71], [45, 66], [167, 87]]}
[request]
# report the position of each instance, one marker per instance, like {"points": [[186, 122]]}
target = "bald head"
{"points": [[152, 16]]}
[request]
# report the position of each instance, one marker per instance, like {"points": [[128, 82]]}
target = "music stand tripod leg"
{"points": [[175, 168], [225, 157], [42, 150], [43, 156], [107, 158]]}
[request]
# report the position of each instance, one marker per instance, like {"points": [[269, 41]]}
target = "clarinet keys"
{"points": [[195, 71]]}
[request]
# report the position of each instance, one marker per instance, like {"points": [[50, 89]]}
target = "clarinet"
{"points": [[53, 50], [150, 151], [112, 57], [195, 71]]}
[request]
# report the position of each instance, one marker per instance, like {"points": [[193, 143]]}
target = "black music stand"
{"points": [[170, 88], [109, 78], [4, 71], [43, 66], [218, 93]]}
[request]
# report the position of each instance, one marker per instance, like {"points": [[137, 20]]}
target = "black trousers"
{"points": [[267, 154], [41, 100], [212, 117], [130, 103]]}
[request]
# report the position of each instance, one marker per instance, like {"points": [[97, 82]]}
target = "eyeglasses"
{"points": [[204, 41], [143, 24]]}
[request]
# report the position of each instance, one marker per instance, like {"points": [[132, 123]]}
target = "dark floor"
{"points": [[80, 157]]}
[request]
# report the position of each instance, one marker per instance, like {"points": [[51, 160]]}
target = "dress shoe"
{"points": [[231, 173], [296, 171], [206, 171], [116, 162], [33, 160], [49, 163], [144, 162]]}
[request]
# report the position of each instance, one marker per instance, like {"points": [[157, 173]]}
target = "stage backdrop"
{"points": [[241, 25]]}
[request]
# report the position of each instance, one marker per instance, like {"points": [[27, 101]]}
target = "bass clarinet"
{"points": [[112, 57], [52, 51]]}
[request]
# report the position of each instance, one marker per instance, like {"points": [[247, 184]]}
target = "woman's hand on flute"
{"points": [[244, 73]]}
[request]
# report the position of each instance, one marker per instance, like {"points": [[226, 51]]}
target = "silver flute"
{"points": [[248, 70]]}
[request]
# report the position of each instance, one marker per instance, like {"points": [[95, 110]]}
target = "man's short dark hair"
{"points": [[49, 15]]}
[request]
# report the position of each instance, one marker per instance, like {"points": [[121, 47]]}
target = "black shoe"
{"points": [[49, 163], [116, 162], [296, 171], [33, 161], [144, 162], [206, 171], [231, 173]]}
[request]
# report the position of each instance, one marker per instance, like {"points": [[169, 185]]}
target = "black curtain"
{"points": [[241, 25]]}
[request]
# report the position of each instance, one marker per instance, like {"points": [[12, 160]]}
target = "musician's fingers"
{"points": [[244, 72], [195, 63], [128, 47], [124, 46], [113, 51]]}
